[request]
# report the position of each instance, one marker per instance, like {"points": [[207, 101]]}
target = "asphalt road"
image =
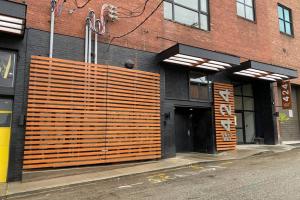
{"points": [[265, 176]]}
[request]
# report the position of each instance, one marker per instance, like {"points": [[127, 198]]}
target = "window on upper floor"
{"points": [[193, 13], [285, 20], [245, 9]]}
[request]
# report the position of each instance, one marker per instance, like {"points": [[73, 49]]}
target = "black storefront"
{"points": [[187, 103], [12, 86], [189, 121]]}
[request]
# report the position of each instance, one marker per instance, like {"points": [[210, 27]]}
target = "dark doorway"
{"points": [[193, 130], [245, 113]]}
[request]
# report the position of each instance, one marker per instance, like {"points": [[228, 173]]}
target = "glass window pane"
{"points": [[240, 137], [7, 67], [168, 13], [238, 90], [248, 103], [288, 29], [240, 9], [286, 15], [249, 127], [281, 26], [247, 90], [249, 3], [239, 119], [203, 22], [198, 86], [203, 5], [280, 12], [198, 78], [242, 1], [186, 16], [199, 92], [238, 103], [190, 3], [6, 104], [249, 13], [5, 119]]}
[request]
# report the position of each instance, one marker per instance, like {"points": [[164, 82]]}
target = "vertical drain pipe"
{"points": [[96, 43], [90, 43], [53, 4], [86, 41]]}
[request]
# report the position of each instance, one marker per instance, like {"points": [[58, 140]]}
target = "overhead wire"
{"points": [[83, 5], [139, 25], [134, 11]]}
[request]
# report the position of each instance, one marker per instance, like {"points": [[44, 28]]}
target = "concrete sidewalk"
{"points": [[79, 176]]}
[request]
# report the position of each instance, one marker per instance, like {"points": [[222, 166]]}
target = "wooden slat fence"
{"points": [[83, 114]]}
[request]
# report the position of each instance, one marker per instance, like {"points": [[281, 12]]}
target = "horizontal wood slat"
{"points": [[224, 142], [84, 114]]}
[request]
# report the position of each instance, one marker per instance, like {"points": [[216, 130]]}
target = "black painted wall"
{"points": [[174, 83], [18, 95], [36, 42]]}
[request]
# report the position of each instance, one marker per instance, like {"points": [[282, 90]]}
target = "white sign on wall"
{"points": [[226, 111]]}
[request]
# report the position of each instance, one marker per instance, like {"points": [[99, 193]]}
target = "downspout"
{"points": [[97, 24], [86, 40], [89, 43], [52, 4]]}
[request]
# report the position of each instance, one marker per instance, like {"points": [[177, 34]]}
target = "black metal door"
{"points": [[183, 131]]}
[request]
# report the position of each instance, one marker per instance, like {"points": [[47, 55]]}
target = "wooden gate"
{"points": [[82, 114]]}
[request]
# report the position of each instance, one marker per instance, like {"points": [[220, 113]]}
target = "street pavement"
{"points": [[266, 176]]}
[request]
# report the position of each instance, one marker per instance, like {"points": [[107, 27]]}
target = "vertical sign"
{"points": [[224, 117], [286, 95]]}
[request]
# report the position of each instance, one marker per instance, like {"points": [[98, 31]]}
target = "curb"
{"points": [[87, 182]]}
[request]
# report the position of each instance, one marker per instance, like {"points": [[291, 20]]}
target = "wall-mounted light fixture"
{"points": [[129, 64], [167, 116]]}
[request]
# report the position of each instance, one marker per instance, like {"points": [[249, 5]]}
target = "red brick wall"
{"points": [[260, 41]]}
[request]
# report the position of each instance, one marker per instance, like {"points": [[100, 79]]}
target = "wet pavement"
{"points": [[265, 176]]}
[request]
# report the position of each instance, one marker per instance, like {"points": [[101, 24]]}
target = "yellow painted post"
{"points": [[4, 149]]}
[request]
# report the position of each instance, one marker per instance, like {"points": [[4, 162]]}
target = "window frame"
{"points": [[199, 12], [15, 53], [243, 110], [208, 84], [284, 20], [245, 5]]}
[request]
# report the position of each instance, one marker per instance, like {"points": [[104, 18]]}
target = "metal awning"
{"points": [[264, 71], [12, 17], [189, 56]]}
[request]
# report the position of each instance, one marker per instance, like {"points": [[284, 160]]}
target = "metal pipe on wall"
{"points": [[53, 4], [86, 41], [96, 48], [97, 24], [90, 44]]}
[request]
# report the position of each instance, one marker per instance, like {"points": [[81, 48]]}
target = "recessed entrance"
{"points": [[244, 109], [193, 130]]}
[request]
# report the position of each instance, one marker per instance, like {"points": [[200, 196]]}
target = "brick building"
{"points": [[200, 48]]}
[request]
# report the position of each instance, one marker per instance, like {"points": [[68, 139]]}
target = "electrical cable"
{"points": [[131, 31], [83, 5], [140, 12], [59, 7], [98, 26]]}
